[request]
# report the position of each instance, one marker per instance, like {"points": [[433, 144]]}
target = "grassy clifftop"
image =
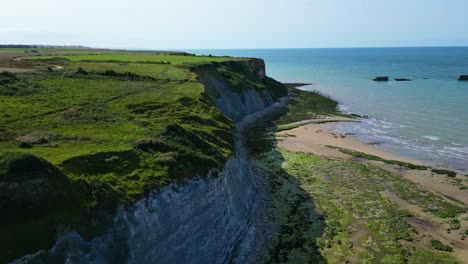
{"points": [[112, 126]]}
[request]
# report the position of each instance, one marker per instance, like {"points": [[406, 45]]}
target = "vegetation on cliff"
{"points": [[107, 127]]}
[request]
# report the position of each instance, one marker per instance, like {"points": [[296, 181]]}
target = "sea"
{"points": [[425, 118]]}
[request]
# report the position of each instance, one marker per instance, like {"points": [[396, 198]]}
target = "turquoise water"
{"points": [[426, 118]]}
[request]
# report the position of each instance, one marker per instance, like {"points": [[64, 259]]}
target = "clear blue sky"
{"points": [[180, 24]]}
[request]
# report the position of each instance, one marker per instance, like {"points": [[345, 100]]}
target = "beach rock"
{"points": [[381, 79], [402, 80], [462, 77]]}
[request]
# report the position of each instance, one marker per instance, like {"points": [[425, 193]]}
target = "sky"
{"points": [[220, 24]]}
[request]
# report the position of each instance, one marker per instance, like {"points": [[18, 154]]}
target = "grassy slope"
{"points": [[114, 126], [333, 211], [307, 105]]}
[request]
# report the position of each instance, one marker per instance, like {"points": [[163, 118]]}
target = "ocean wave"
{"points": [[435, 138], [394, 139], [372, 130], [385, 122], [451, 154], [380, 123], [343, 108], [379, 131], [463, 150]]}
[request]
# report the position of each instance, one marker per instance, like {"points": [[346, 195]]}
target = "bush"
{"points": [[7, 78], [93, 114], [37, 138], [152, 144], [440, 246], [110, 73], [449, 173], [167, 159], [24, 145], [454, 224], [81, 71]]}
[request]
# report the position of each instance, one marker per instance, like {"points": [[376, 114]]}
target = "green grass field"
{"points": [[94, 107], [148, 58]]}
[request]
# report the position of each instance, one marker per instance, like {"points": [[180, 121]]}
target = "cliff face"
{"points": [[208, 219], [239, 88], [203, 221]]}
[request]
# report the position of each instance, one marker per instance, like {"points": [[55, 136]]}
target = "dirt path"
{"points": [[16, 70]]}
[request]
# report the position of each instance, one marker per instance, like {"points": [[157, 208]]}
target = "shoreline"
{"points": [[325, 134], [320, 138], [331, 121], [398, 149]]}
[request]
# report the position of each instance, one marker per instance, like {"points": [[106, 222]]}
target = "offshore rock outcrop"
{"points": [[209, 219], [381, 79]]}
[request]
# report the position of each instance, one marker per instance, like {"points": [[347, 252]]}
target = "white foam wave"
{"points": [[387, 123], [379, 131], [451, 154], [463, 150], [429, 147], [343, 108], [435, 138]]}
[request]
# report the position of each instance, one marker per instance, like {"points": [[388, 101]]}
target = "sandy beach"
{"points": [[313, 137]]}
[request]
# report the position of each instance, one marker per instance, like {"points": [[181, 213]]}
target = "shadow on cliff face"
{"points": [[296, 223]]}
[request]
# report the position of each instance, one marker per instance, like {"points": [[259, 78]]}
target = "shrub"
{"points": [[110, 73], [440, 246], [37, 138], [152, 144], [454, 224], [85, 115], [448, 172], [167, 159], [24, 145], [7, 78], [81, 71]]}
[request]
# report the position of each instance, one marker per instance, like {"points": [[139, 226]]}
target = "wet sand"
{"points": [[314, 137]]}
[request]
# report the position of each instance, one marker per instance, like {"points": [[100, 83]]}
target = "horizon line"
{"points": [[284, 48], [242, 48]]}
